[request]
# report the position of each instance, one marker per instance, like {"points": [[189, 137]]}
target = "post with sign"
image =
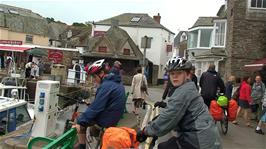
{"points": [[145, 43]]}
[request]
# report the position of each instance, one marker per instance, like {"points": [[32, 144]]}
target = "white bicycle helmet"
{"points": [[178, 63]]}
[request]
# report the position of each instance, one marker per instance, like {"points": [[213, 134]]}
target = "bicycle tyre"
{"points": [[224, 123]]}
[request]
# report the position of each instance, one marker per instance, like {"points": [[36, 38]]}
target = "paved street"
{"points": [[238, 137]]}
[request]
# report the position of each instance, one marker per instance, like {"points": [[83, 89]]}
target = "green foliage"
{"points": [[50, 19], [79, 24]]}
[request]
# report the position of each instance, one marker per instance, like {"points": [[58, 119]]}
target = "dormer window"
{"points": [[135, 19], [258, 3]]}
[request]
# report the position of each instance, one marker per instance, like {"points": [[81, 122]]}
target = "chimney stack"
{"points": [[114, 23], [157, 18]]}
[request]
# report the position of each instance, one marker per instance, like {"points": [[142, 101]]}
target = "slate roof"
{"points": [[125, 20], [79, 35], [204, 21], [214, 52], [24, 20], [222, 12], [116, 38]]}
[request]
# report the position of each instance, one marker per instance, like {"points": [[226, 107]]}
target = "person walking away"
{"points": [[185, 113], [194, 77], [244, 100], [229, 87], [262, 117], [138, 94], [108, 106], [210, 81], [257, 92]]}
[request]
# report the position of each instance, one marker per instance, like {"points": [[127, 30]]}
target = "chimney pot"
{"points": [[157, 18]]}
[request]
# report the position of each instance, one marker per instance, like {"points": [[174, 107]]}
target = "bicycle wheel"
{"points": [[224, 123]]}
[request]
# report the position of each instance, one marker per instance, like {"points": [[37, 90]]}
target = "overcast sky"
{"points": [[176, 14]]}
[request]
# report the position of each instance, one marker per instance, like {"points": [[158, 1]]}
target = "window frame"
{"points": [[214, 33], [100, 49], [27, 41], [256, 7], [198, 29], [135, 19], [126, 51], [26, 116]]}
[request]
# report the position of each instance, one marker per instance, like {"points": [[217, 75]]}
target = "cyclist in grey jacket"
{"points": [[185, 113]]}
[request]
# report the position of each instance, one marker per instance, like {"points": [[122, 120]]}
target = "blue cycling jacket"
{"points": [[109, 104]]}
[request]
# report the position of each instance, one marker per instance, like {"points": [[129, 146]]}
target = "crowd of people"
{"points": [[192, 121]]}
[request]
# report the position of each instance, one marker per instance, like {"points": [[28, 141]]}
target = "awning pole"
{"points": [[14, 65]]}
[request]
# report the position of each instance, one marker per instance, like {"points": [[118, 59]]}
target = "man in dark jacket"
{"points": [[109, 103], [210, 81]]}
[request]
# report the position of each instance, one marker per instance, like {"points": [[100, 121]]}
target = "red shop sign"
{"points": [[55, 55], [12, 42]]}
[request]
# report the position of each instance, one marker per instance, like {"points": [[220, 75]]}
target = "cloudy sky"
{"points": [[176, 14]]}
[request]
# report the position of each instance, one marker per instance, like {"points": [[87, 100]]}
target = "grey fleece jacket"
{"points": [[187, 114]]}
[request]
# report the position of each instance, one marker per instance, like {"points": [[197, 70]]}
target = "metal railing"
{"points": [[66, 141]]}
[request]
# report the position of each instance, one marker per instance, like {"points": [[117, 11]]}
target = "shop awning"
{"points": [[256, 65], [15, 48], [37, 52]]}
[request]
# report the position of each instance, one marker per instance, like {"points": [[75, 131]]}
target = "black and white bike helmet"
{"points": [[178, 63]]}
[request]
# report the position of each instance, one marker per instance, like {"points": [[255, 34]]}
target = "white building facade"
{"points": [[206, 43], [161, 39]]}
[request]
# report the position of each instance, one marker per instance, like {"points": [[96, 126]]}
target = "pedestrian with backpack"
{"points": [[185, 113], [210, 82]]}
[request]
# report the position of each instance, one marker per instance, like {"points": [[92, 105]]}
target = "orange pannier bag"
{"points": [[232, 110], [216, 111], [119, 137]]}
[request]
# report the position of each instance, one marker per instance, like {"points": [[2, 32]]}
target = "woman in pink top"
{"points": [[244, 100]]}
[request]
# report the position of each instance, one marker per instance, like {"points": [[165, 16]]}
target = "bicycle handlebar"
{"points": [[79, 100]]}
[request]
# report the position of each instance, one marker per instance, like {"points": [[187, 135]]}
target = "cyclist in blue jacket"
{"points": [[109, 104]]}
